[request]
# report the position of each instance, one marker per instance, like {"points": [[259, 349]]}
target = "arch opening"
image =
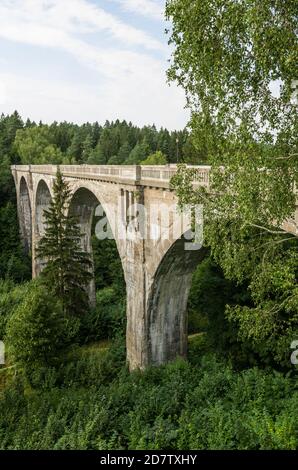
{"points": [[107, 265], [42, 202], [167, 303], [25, 216]]}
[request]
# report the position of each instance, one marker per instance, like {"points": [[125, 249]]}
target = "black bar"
{"points": [[134, 459]]}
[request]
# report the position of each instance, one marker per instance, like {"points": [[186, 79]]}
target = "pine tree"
{"points": [[124, 152], [138, 153], [87, 148], [76, 147], [68, 269], [97, 156]]}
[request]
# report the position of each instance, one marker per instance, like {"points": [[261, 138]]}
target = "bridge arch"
{"points": [[25, 215], [43, 199], [167, 302], [83, 206]]}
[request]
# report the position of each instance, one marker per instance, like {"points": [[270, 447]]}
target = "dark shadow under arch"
{"points": [[25, 216], [167, 303], [42, 202], [43, 199]]}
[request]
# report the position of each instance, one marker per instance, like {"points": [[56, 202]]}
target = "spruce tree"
{"points": [[68, 269]]}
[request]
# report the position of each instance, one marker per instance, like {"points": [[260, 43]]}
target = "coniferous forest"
{"points": [[65, 383]]}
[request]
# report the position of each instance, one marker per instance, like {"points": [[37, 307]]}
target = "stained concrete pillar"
{"points": [[136, 297]]}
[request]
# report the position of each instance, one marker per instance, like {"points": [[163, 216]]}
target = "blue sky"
{"points": [[87, 60]]}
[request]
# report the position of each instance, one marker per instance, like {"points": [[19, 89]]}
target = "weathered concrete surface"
{"points": [[42, 199], [25, 215], [156, 265]]}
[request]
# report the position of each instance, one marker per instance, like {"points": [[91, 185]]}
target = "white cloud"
{"points": [[131, 82], [149, 8], [45, 23], [36, 18]]}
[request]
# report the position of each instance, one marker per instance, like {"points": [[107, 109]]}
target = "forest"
{"points": [[231, 393], [65, 383]]}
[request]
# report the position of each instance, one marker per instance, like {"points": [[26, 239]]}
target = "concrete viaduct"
{"points": [[157, 261]]}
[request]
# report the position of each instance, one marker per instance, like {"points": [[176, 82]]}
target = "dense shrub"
{"points": [[210, 294], [38, 330], [14, 264], [11, 296], [107, 320], [178, 406]]}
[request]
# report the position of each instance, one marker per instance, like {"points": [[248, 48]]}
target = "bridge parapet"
{"points": [[164, 173], [145, 175]]}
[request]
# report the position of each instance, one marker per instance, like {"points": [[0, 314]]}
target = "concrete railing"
{"points": [[117, 171], [146, 175], [150, 172]]}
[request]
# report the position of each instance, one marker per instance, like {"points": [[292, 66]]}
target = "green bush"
{"points": [[108, 270], [11, 296], [157, 158], [210, 293], [14, 264], [38, 331], [107, 319]]}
